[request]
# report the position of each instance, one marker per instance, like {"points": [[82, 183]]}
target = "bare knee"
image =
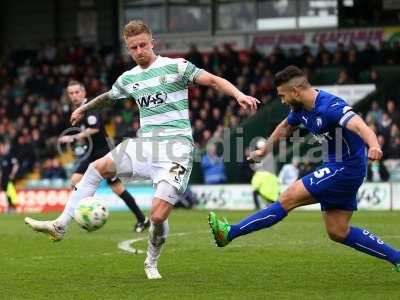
{"points": [[337, 224], [159, 214], [337, 234], [287, 199], [157, 219], [295, 195], [105, 166]]}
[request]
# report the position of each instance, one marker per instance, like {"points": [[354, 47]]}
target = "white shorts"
{"points": [[167, 192], [158, 160]]}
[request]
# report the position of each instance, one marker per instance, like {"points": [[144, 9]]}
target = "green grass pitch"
{"points": [[293, 260]]}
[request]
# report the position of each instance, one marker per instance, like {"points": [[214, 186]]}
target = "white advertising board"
{"points": [[374, 196], [224, 196], [396, 195], [371, 196], [352, 93]]}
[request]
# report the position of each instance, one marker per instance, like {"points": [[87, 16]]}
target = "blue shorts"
{"points": [[335, 186]]}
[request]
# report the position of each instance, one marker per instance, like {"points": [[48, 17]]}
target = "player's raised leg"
{"points": [[337, 223], [296, 195], [164, 199], [96, 172]]}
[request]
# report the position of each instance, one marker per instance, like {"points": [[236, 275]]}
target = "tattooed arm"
{"points": [[98, 102]]}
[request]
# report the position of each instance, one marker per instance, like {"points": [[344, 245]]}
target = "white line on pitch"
{"points": [[126, 245]]}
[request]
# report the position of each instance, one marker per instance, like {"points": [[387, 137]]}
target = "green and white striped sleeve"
{"points": [[187, 70], [117, 91]]}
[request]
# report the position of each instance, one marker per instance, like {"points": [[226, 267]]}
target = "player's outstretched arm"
{"points": [[97, 103], [224, 86], [81, 135], [358, 126], [283, 130]]}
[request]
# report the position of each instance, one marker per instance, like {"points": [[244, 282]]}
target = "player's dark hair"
{"points": [[287, 74]]}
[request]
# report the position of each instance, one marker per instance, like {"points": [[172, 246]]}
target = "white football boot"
{"points": [[150, 268], [55, 232]]}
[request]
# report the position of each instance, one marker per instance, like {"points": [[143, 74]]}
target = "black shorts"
{"points": [[4, 182], [113, 180], [84, 164]]}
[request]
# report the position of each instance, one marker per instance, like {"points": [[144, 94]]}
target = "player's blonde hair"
{"points": [[75, 82], [135, 27]]}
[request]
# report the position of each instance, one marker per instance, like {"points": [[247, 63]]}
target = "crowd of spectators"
{"points": [[252, 72], [33, 107], [385, 122], [34, 110]]}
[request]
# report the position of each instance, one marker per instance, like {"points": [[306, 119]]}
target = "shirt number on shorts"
{"points": [[177, 171], [322, 172]]}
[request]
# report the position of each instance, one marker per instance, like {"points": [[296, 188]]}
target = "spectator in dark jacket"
{"points": [[195, 57]]}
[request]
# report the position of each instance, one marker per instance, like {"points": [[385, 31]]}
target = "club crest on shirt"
{"points": [[322, 138], [163, 79]]}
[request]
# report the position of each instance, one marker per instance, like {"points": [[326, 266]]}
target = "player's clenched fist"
{"points": [[375, 153], [77, 115]]}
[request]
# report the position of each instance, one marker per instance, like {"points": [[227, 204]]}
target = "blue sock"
{"points": [[367, 242], [261, 219]]}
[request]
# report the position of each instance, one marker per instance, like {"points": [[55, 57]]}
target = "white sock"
{"points": [[85, 188], [157, 236]]}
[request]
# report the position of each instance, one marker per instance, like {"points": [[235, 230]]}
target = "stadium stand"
{"points": [[34, 110]]}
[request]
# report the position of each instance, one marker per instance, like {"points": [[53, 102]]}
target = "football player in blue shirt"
{"points": [[334, 185]]}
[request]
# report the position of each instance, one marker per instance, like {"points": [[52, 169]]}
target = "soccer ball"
{"points": [[91, 214]]}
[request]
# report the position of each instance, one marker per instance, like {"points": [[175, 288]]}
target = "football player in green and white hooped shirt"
{"points": [[164, 150]]}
